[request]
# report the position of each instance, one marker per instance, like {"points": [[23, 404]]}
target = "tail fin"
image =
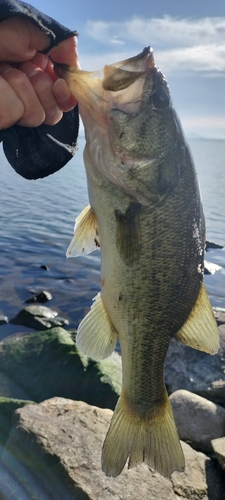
{"points": [[152, 440]]}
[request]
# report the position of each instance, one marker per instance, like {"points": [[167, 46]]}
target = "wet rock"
{"points": [[47, 364], [3, 320], [210, 244], [54, 453], [195, 371], [40, 297], [218, 446], [39, 317], [10, 389], [43, 266], [198, 420], [7, 408]]}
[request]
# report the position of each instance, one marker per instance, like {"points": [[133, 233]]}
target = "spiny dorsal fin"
{"points": [[96, 335], [86, 237], [200, 331]]}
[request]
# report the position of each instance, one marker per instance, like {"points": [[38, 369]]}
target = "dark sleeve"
{"points": [[40, 151]]}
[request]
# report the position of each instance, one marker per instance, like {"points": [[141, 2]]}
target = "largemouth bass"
{"points": [[146, 216]]}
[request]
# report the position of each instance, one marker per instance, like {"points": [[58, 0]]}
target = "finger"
{"points": [[43, 87], [33, 114], [66, 52], [40, 60], [11, 107], [66, 101], [20, 39]]}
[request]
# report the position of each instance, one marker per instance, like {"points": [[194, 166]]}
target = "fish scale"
{"points": [[146, 209]]}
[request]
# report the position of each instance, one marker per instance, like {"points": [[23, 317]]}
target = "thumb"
{"points": [[20, 40], [66, 52]]}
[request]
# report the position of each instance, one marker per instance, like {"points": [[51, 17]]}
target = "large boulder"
{"points": [[46, 364], [198, 420], [54, 453], [195, 371]]}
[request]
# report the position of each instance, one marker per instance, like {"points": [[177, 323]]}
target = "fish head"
{"points": [[127, 113]]}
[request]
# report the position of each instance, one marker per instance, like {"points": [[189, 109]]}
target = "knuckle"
{"points": [[32, 118], [53, 116]]}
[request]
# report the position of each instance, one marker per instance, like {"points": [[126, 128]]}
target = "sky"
{"points": [[188, 39]]}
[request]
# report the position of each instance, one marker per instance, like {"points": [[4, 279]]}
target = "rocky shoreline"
{"points": [[56, 405]]}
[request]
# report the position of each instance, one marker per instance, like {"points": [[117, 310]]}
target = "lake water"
{"points": [[36, 226]]}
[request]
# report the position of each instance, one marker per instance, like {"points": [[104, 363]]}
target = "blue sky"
{"points": [[188, 39]]}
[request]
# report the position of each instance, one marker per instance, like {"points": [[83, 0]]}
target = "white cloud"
{"points": [[161, 31], [198, 58], [192, 44]]}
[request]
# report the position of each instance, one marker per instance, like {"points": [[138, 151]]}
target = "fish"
{"points": [[146, 217]]}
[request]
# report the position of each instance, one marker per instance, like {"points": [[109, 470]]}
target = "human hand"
{"points": [[30, 92]]}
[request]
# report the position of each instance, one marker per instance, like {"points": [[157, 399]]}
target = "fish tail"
{"points": [[153, 440]]}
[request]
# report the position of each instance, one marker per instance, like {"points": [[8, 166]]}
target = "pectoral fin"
{"points": [[128, 234], [86, 237], [200, 331], [96, 335]]}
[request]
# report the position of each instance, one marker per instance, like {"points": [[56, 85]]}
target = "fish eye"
{"points": [[160, 99]]}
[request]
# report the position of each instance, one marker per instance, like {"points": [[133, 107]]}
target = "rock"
{"points": [[218, 446], [195, 371], [47, 364], [10, 389], [210, 244], [219, 315], [7, 408], [40, 297], [39, 318], [3, 320], [43, 266], [54, 453], [198, 420], [202, 479], [210, 268]]}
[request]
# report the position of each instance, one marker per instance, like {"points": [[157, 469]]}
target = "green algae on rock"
{"points": [[47, 364]]}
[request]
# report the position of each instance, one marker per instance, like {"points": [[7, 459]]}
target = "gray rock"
{"points": [[219, 315], [198, 420], [210, 244], [218, 446], [3, 320], [54, 450], [10, 389], [195, 371], [40, 297], [7, 408], [46, 364], [39, 317]]}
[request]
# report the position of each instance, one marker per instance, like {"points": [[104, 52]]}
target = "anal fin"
{"points": [[86, 237], [200, 330], [96, 335]]}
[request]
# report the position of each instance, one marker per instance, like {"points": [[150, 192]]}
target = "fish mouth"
{"points": [[121, 75], [99, 91], [116, 76]]}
